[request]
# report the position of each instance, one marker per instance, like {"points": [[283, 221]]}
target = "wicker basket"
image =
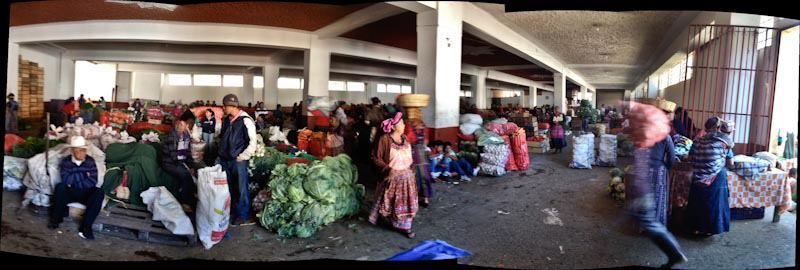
{"points": [[666, 105], [413, 100], [414, 113]]}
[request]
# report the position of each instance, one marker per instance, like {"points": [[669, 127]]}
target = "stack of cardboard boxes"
{"points": [[31, 90]]}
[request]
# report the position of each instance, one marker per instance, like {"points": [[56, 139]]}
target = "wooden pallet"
{"points": [[136, 223]]}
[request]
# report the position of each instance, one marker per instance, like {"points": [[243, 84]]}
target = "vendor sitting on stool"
{"points": [[78, 184], [178, 162]]}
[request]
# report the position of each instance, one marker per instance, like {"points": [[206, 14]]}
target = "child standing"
{"points": [[557, 137]]}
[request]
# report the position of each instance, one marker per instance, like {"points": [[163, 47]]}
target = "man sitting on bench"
{"points": [[78, 184]]}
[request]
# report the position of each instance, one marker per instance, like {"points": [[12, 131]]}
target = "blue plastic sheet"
{"points": [[430, 250]]}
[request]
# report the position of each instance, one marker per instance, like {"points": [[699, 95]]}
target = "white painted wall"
{"points": [[48, 59], [610, 98], [546, 97], [146, 85], [187, 94], [123, 86]]}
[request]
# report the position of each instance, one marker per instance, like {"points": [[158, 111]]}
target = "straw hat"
{"points": [[78, 142], [666, 105]]}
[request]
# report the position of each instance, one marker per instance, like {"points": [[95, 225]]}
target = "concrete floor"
{"points": [[594, 232]]}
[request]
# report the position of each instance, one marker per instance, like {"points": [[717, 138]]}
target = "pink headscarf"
{"points": [[388, 124]]}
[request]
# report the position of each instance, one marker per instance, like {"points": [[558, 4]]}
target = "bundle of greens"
{"points": [[31, 147], [616, 185], [625, 146], [307, 197], [587, 113]]}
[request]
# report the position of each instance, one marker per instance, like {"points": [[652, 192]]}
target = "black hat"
{"points": [[230, 100]]}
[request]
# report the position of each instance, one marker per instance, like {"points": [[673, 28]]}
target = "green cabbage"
{"points": [[306, 197]]}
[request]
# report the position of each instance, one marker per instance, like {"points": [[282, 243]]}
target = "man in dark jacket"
{"points": [[178, 163], [78, 184], [237, 145]]}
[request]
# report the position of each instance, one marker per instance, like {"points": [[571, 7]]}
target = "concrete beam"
{"points": [[359, 18], [415, 6], [351, 47], [161, 31], [486, 26], [512, 67]]}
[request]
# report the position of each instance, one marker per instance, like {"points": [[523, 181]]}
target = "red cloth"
{"points": [[543, 125], [470, 137], [10, 141], [409, 132]]}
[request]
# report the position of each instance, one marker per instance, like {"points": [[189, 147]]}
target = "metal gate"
{"points": [[730, 73]]}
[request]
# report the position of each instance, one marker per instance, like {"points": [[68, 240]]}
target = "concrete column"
{"points": [[12, 70], [479, 90], [652, 87], [247, 87], [582, 95], [439, 65], [270, 91], [594, 97], [317, 69], [559, 90], [532, 97], [66, 83]]}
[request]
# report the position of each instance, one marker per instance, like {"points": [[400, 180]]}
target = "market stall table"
{"points": [[765, 191]]}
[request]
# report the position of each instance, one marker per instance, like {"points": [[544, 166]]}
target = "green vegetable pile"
{"points": [[261, 166], [587, 112], [625, 146], [31, 147], [616, 185], [307, 197]]}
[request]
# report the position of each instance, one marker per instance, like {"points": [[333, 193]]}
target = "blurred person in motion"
{"points": [[649, 128]]}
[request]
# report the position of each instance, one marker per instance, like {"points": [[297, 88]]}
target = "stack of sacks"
{"points": [[682, 145], [100, 136], [773, 159], [487, 137], [40, 186], [469, 151], [493, 159], [470, 123], [511, 162], [582, 152], [607, 155], [519, 148]]}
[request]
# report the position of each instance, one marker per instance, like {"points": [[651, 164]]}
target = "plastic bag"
{"points": [[468, 129], [582, 152], [213, 205], [430, 250], [471, 118], [275, 135], [165, 208], [607, 155]]}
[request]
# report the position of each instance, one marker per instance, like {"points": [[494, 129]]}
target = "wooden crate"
{"points": [[136, 223]]}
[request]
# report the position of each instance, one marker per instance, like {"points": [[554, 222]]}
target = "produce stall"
{"points": [[765, 190]]}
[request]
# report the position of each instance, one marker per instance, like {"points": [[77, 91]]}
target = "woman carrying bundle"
{"points": [[708, 210], [396, 193]]}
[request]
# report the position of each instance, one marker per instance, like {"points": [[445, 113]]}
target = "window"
{"points": [[675, 74], [689, 65], [405, 89], [336, 86], [381, 88], [207, 80], [179, 79], [258, 81], [663, 80], [290, 83], [469, 93], [232, 80], [356, 86], [765, 35], [393, 88]]}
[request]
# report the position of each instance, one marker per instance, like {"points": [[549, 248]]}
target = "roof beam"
{"points": [[578, 66], [513, 67], [415, 6], [359, 18], [486, 26]]}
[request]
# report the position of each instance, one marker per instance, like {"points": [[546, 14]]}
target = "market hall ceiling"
{"points": [[302, 16], [400, 31]]}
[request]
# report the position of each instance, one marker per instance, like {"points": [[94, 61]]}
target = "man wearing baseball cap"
{"points": [[78, 184], [237, 144]]}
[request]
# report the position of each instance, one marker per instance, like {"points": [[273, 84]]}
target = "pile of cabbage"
{"points": [[616, 185], [307, 197]]}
